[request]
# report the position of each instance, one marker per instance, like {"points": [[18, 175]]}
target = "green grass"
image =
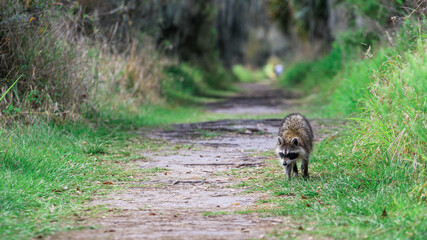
{"points": [[46, 172], [346, 195], [216, 213], [246, 75], [369, 182], [50, 171], [313, 74], [184, 83]]}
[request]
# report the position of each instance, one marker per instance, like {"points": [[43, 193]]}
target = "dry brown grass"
{"points": [[44, 48], [64, 72]]}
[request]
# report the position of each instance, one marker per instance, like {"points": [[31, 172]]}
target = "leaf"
{"points": [[108, 183], [302, 196], [384, 213], [4, 94], [300, 228], [308, 205]]}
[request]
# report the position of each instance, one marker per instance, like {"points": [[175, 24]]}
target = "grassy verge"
{"points": [[51, 171], [370, 180], [247, 75], [347, 197]]}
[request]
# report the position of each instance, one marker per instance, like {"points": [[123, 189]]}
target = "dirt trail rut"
{"points": [[173, 202]]}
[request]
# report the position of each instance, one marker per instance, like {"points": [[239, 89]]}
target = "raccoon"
{"points": [[295, 142]]}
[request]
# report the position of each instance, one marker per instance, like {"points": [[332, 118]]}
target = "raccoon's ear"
{"points": [[295, 141], [280, 140]]}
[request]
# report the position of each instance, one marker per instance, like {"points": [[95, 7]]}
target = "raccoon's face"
{"points": [[289, 151]]}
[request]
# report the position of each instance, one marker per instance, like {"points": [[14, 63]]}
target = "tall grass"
{"points": [[42, 47], [311, 74], [370, 180]]}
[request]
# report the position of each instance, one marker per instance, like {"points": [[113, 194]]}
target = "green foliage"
{"points": [[186, 82], [315, 73], [246, 75], [357, 75], [379, 10], [355, 42], [183, 78], [309, 17], [218, 77]]}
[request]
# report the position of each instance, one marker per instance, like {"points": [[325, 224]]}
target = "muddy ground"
{"points": [[189, 181]]}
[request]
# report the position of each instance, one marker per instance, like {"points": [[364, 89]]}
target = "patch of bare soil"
{"points": [[178, 200]]}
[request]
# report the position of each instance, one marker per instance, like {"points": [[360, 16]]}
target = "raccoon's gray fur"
{"points": [[295, 142]]}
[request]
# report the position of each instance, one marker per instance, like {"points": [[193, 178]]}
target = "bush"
{"points": [[39, 43], [246, 75], [312, 74], [182, 78]]}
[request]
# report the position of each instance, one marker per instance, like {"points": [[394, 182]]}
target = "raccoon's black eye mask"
{"points": [[292, 155]]}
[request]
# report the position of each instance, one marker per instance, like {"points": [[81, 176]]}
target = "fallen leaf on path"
{"points": [[110, 230], [303, 197], [300, 228], [108, 183], [152, 214], [308, 205], [235, 203], [166, 173]]}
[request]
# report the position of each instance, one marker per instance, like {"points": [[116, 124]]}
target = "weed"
{"points": [[216, 213]]}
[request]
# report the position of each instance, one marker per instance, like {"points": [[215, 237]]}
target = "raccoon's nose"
{"points": [[285, 163]]}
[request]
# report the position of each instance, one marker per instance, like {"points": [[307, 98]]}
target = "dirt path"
{"points": [[187, 180]]}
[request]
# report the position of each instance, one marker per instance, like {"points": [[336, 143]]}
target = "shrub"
{"points": [[39, 42], [314, 73]]}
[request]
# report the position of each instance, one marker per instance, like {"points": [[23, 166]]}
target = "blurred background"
{"points": [[77, 57]]}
